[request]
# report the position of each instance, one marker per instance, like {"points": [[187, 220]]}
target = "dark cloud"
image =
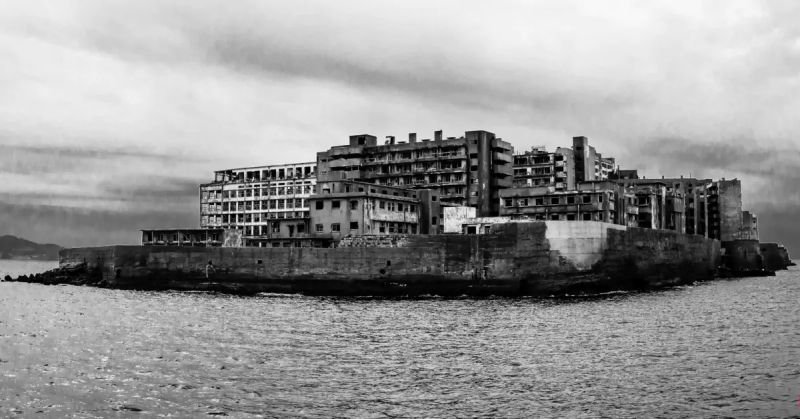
{"points": [[777, 224], [151, 189], [81, 152], [126, 106], [742, 155]]}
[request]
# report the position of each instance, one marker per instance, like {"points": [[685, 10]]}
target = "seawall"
{"points": [[526, 258]]}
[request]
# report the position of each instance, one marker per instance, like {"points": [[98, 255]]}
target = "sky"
{"points": [[113, 112]]}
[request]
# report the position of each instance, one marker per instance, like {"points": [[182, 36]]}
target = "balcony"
{"points": [[502, 157]]}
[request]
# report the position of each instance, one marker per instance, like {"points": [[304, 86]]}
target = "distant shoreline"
{"points": [[29, 259]]}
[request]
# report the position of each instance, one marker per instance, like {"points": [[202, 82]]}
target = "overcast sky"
{"points": [[112, 112]]}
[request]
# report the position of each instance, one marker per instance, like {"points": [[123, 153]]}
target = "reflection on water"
{"points": [[724, 348]]}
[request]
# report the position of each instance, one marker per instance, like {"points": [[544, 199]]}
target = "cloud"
{"points": [[769, 175], [117, 105]]}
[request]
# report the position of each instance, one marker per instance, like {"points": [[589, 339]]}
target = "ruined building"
{"points": [[465, 171], [589, 164], [267, 204], [342, 208], [562, 169], [588, 201], [539, 168]]}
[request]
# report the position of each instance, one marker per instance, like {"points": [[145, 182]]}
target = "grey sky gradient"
{"points": [[114, 111]]}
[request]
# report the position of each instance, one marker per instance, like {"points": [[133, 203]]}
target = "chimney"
{"points": [[412, 137], [391, 139], [437, 135]]}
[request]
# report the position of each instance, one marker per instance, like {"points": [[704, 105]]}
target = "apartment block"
{"points": [[589, 164], [465, 171], [589, 201], [267, 204], [342, 208], [539, 168], [677, 204], [725, 209]]}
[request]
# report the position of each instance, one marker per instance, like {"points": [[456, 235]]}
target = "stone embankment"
{"points": [[73, 274], [535, 258]]}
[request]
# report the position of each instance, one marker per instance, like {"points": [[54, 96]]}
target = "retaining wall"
{"points": [[515, 258]]}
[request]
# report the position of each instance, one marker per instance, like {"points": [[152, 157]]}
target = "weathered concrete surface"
{"points": [[533, 258], [743, 255], [774, 256]]}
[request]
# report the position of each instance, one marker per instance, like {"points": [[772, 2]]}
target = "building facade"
{"points": [[192, 237], [350, 208], [589, 201], [266, 203], [678, 204], [539, 168], [725, 210], [589, 164], [469, 170]]}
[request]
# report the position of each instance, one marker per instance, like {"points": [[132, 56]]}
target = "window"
{"points": [[570, 217], [320, 205], [335, 227], [600, 198], [508, 202], [587, 216], [318, 227], [554, 216], [335, 204], [354, 225], [586, 200], [381, 204], [539, 201], [400, 207], [353, 205], [570, 200], [433, 221], [554, 201]]}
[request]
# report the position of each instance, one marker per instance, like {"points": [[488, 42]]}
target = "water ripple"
{"points": [[718, 349]]}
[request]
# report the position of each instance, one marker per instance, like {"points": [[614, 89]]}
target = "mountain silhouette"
{"points": [[12, 247]]}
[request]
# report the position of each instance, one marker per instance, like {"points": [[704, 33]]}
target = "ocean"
{"points": [[728, 348]]}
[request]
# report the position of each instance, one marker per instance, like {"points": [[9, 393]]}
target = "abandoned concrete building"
{"points": [[588, 201], [192, 237], [466, 171], [342, 208], [539, 168], [266, 203], [409, 187], [563, 168]]}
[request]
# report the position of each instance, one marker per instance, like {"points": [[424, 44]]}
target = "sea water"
{"points": [[718, 349]]}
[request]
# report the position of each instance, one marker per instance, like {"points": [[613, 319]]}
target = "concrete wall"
{"points": [[730, 209], [743, 255], [455, 217], [774, 256], [514, 258]]}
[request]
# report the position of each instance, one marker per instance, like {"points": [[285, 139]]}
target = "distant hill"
{"points": [[12, 247]]}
